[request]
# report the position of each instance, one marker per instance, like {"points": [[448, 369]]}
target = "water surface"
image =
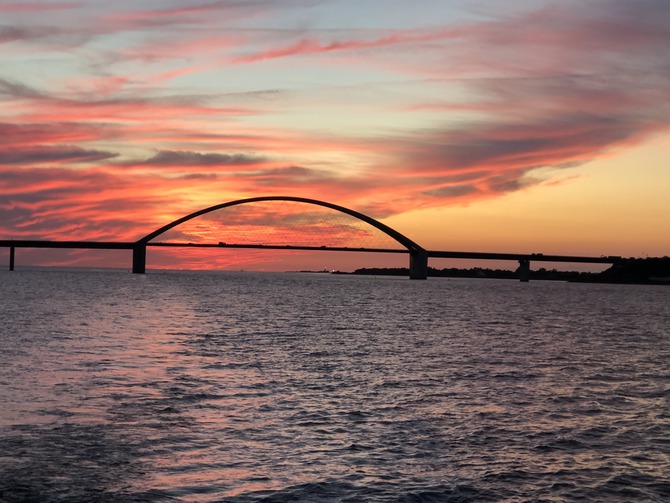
{"points": [[244, 387]]}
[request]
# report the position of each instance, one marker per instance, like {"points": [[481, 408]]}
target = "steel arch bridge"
{"points": [[418, 256]]}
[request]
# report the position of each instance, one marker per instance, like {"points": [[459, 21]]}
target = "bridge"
{"points": [[418, 256]]}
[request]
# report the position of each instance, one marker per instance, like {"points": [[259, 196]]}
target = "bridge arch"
{"points": [[418, 255]]}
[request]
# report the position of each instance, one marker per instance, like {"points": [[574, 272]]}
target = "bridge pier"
{"points": [[418, 265], [139, 258], [524, 270], [11, 258]]}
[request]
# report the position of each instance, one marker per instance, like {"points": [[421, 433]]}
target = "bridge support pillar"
{"points": [[524, 270], [139, 259], [418, 265], [11, 258]]}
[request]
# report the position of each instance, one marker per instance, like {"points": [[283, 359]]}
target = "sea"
{"points": [[242, 387]]}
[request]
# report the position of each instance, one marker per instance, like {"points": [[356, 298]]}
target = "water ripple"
{"points": [[331, 389]]}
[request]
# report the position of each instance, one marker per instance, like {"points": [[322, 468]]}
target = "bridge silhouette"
{"points": [[418, 256]]}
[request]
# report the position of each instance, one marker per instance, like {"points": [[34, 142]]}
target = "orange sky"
{"points": [[523, 127]]}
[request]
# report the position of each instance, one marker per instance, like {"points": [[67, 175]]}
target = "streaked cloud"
{"points": [[42, 155], [169, 158]]}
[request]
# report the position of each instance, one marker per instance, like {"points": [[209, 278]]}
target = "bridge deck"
{"points": [[541, 257], [120, 245], [90, 245]]}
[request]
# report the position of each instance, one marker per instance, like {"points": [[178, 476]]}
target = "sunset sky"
{"points": [[517, 126]]}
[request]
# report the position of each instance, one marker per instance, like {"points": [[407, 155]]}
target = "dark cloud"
{"points": [[508, 182], [544, 141], [14, 89], [15, 33], [288, 175], [55, 154], [176, 158], [453, 191], [199, 176], [43, 36]]}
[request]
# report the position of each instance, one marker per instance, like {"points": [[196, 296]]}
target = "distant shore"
{"points": [[648, 271]]}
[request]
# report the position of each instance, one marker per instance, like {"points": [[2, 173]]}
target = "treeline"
{"points": [[639, 271]]}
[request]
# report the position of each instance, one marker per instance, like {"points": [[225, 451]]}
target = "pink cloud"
{"points": [[118, 110], [60, 203], [309, 46], [20, 135], [178, 47]]}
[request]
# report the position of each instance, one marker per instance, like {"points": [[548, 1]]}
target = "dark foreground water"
{"points": [[241, 387]]}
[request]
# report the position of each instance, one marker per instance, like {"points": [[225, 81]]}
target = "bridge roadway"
{"points": [[523, 259]]}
